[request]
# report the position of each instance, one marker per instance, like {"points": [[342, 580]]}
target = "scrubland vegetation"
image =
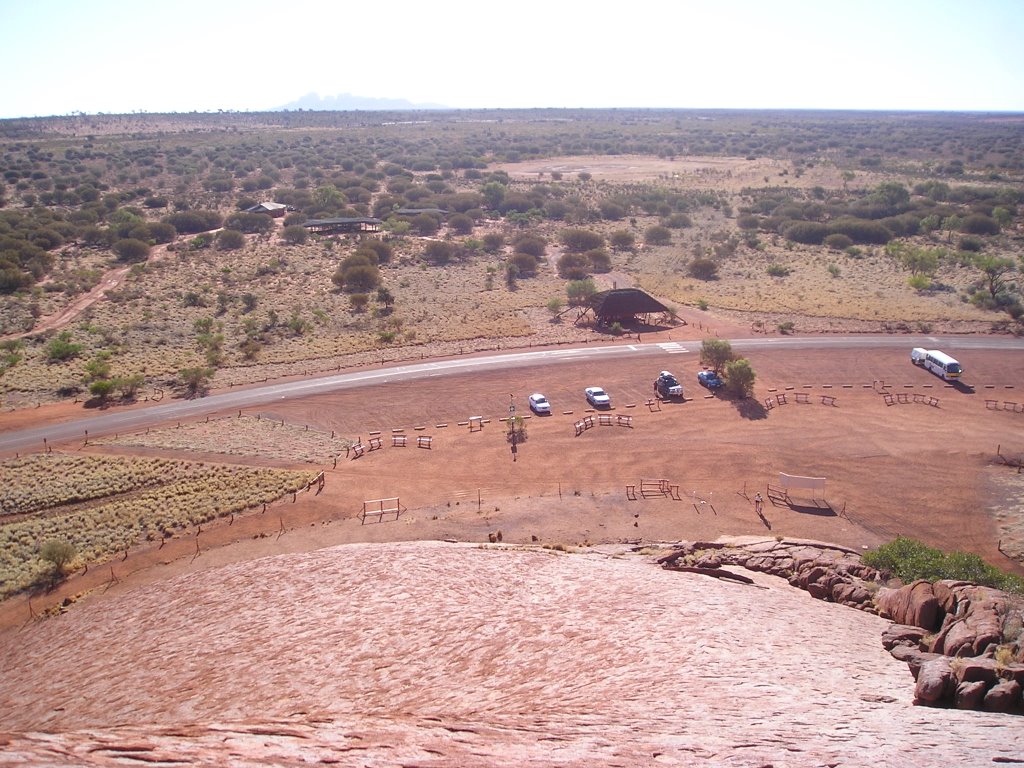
{"points": [[98, 506], [803, 221]]}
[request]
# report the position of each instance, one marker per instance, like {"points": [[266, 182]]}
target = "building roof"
{"points": [[624, 302], [417, 211], [266, 207], [329, 222]]}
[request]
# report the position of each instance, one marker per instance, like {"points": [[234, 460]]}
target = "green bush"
{"points": [[703, 269], [778, 270], [230, 240], [535, 245], [580, 240], [61, 348], [838, 242], [908, 560], [658, 235], [573, 266], [131, 250], [295, 234]]}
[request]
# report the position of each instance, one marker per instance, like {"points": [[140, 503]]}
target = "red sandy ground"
{"points": [[906, 469], [434, 654]]}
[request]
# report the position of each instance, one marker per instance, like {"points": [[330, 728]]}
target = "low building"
{"points": [[270, 209], [343, 226]]}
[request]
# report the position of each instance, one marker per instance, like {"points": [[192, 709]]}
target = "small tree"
{"points": [[60, 554], [425, 224], [703, 269], [995, 269], [658, 235], [580, 240], [534, 245], [129, 386], [195, 380], [101, 389], [230, 240], [573, 266], [739, 378], [61, 348], [385, 297], [438, 252], [622, 240], [460, 224], [580, 291], [715, 353], [131, 250], [295, 234]]}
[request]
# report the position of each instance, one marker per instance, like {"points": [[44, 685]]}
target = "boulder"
{"points": [[970, 695], [934, 681], [914, 657], [850, 593], [975, 671], [1002, 697], [978, 622], [901, 634], [913, 604]]}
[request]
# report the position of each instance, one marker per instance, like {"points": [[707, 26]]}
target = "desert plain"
{"points": [[510, 611]]}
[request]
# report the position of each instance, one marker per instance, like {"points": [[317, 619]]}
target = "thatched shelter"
{"points": [[626, 306]]}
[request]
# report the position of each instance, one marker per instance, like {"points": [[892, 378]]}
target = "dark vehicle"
{"points": [[709, 379], [667, 385]]}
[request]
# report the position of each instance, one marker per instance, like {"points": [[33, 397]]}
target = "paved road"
{"points": [[127, 421]]}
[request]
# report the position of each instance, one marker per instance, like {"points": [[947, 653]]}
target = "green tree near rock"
{"points": [[739, 377]]}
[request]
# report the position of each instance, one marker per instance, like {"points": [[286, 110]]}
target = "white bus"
{"points": [[937, 362]]}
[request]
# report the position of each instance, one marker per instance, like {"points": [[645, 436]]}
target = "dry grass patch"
{"points": [[241, 436], [103, 505]]}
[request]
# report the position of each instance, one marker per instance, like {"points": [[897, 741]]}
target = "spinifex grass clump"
{"points": [[101, 505]]}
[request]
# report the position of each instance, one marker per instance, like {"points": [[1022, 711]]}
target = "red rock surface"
{"points": [[436, 654]]}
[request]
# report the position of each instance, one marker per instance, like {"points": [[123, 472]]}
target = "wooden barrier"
{"points": [[802, 397], [889, 399], [476, 423], [769, 403], [357, 450], [625, 421], [605, 420], [375, 444], [424, 441], [380, 507], [653, 404], [398, 441], [828, 400], [992, 405]]}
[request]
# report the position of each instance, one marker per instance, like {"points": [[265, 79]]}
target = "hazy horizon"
{"points": [[120, 57]]}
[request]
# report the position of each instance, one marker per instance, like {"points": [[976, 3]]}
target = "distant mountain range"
{"points": [[346, 101]]}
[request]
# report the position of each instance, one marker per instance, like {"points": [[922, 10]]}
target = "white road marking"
{"points": [[673, 347]]}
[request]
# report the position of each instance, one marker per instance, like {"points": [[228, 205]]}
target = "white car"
{"points": [[539, 404], [597, 397]]}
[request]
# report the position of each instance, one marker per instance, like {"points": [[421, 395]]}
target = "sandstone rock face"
{"points": [[970, 695], [1004, 696], [914, 604], [975, 623], [456, 655], [901, 634], [933, 622], [934, 681]]}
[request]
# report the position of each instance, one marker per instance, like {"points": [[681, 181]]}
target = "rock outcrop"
{"points": [[959, 640]]}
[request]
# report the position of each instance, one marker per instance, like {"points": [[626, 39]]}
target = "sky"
{"points": [[119, 56]]}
